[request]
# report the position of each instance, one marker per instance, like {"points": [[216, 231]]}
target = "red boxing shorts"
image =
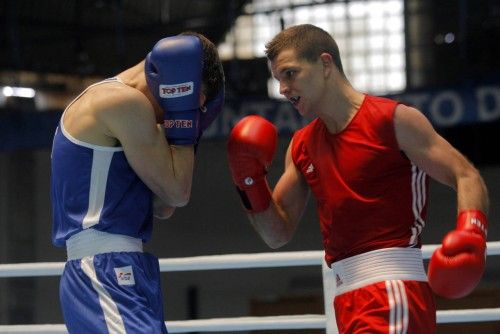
{"points": [[384, 291], [393, 307]]}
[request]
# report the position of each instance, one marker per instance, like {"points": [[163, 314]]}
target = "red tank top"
{"points": [[369, 195]]}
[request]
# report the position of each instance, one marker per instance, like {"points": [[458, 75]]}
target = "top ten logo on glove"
{"points": [[176, 90]]}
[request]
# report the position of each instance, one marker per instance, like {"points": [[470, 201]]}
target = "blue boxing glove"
{"points": [[210, 111], [173, 71]]}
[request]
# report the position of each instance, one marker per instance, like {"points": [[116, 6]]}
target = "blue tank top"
{"points": [[94, 186]]}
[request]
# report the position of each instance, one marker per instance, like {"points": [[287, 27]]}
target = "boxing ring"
{"points": [[246, 261]]}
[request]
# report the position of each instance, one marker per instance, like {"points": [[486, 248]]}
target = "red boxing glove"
{"points": [[456, 267], [251, 147]]}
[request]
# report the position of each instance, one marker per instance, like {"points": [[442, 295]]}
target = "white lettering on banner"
{"points": [[456, 112], [433, 106], [488, 111], [281, 114], [443, 108]]}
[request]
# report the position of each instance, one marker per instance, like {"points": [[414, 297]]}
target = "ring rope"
{"points": [[282, 322], [212, 262], [238, 261]]}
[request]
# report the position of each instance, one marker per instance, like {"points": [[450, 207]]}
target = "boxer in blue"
{"points": [[121, 145]]}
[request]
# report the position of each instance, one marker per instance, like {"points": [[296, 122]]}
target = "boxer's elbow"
{"points": [[277, 242], [161, 210], [164, 213], [181, 198], [275, 239], [176, 196], [274, 245], [275, 230]]}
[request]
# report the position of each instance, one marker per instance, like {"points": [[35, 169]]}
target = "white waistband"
{"points": [[90, 242], [378, 266]]}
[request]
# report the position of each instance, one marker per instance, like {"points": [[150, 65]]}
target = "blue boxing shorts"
{"points": [[115, 292]]}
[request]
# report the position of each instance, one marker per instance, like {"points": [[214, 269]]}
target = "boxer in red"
{"points": [[366, 161]]}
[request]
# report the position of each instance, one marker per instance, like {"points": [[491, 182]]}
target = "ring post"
{"points": [[328, 294]]}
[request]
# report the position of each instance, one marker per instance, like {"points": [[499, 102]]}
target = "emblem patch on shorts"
{"points": [[125, 275]]}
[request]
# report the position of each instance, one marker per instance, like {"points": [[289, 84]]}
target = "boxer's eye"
{"points": [[290, 73]]}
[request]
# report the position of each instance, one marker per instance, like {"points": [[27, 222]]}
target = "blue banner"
{"points": [[23, 130], [456, 106], [444, 107]]}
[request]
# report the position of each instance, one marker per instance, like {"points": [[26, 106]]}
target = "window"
{"points": [[369, 33]]}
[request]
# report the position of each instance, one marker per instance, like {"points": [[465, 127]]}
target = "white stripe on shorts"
{"points": [[114, 321], [398, 307]]}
